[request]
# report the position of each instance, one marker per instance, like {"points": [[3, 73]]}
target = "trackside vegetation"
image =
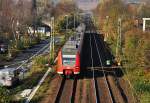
{"points": [[30, 79], [135, 44]]}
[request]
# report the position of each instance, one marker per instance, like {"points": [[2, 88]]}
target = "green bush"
{"points": [[142, 86], [34, 41], [13, 52], [20, 45], [4, 95], [40, 60], [26, 42]]}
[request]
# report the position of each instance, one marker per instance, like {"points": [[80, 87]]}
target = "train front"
{"points": [[69, 59]]}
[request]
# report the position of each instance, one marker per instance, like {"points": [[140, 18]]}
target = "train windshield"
{"points": [[68, 61]]}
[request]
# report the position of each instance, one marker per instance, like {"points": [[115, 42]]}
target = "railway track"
{"points": [[106, 87], [67, 90], [96, 81], [96, 99], [99, 83], [115, 93]]}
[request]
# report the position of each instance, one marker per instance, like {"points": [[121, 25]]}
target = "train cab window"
{"points": [[68, 61]]}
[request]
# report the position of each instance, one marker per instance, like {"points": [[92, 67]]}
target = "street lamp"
{"points": [[74, 21], [119, 42], [67, 22], [52, 39], [106, 35]]}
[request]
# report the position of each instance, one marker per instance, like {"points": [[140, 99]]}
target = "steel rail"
{"points": [[111, 71], [106, 82], [61, 91], [107, 67], [93, 71]]}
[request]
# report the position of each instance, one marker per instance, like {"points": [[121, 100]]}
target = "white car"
{"points": [[3, 48], [9, 76]]}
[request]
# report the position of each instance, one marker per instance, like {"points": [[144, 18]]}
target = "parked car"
{"points": [[9, 77], [3, 48]]}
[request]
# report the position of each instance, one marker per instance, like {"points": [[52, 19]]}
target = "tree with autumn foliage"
{"points": [[109, 13], [135, 42]]}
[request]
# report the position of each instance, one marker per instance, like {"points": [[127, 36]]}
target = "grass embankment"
{"points": [[135, 71], [33, 76], [44, 88], [137, 57], [141, 84], [135, 64]]}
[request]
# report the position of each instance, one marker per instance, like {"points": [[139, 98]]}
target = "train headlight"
{"points": [[77, 67], [67, 67], [108, 62]]}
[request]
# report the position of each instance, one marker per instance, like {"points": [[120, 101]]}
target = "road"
{"points": [[28, 53]]}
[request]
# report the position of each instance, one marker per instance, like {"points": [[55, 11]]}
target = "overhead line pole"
{"points": [[52, 40], [53, 36], [119, 42], [74, 20], [120, 35]]}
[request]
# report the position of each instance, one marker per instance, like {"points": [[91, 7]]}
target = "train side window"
{"points": [[3, 78], [77, 46], [72, 38]]}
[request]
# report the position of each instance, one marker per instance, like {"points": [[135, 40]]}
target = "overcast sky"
{"points": [[137, 0]]}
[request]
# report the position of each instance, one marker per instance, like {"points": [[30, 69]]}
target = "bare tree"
{"points": [[15, 16]]}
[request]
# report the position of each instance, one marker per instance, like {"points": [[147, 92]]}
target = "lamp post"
{"points": [[118, 37], [9, 49], [106, 35], [119, 42], [52, 39], [53, 36], [66, 22], [74, 21]]}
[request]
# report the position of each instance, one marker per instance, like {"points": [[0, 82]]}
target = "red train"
{"points": [[68, 60]]}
